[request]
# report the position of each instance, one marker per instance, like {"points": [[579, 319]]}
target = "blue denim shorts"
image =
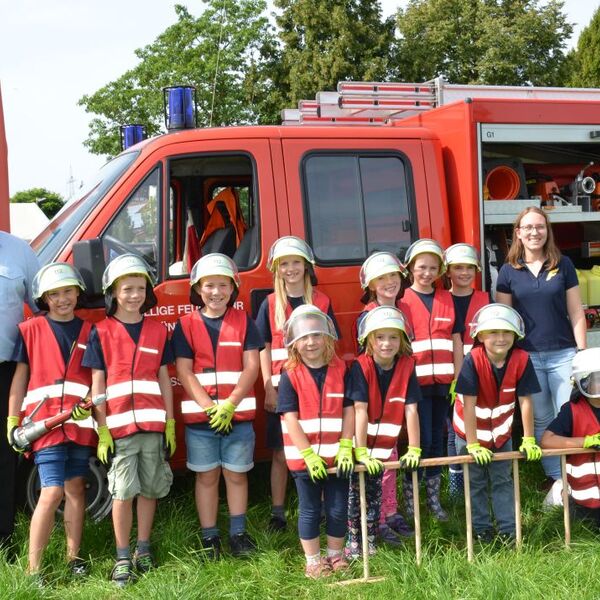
{"points": [[207, 450], [58, 464]]}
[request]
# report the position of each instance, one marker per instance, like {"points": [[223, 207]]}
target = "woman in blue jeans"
{"points": [[542, 286]]}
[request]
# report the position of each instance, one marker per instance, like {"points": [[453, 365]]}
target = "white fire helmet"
{"points": [[383, 317], [214, 264], [497, 316], [425, 246], [53, 276], [462, 254], [289, 245], [307, 319], [585, 372], [378, 264], [125, 264]]}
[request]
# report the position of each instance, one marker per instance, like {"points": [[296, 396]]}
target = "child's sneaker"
{"points": [[211, 547], [337, 563], [399, 525], [388, 536], [276, 524], [242, 544], [122, 572], [77, 567], [144, 562], [318, 569]]}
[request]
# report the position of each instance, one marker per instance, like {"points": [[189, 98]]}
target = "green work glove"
{"points": [[530, 449], [412, 457], [106, 444], [79, 413], [170, 436], [11, 424], [315, 465], [482, 455], [452, 392], [221, 417], [589, 441], [344, 460], [373, 465]]}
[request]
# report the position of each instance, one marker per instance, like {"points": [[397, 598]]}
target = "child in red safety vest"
{"points": [[462, 265], [49, 375], [577, 425], [493, 376], [381, 277], [129, 354], [384, 388], [437, 349], [317, 424], [217, 355], [291, 260]]}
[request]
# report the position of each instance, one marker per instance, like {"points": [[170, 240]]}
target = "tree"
{"points": [[510, 42], [586, 59], [216, 52], [49, 202], [326, 42]]}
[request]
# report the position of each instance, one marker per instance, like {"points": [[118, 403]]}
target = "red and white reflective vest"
{"points": [[279, 353], [432, 347], [219, 374], [319, 413], [495, 408], [134, 401], [583, 470], [70, 383], [478, 300], [386, 415]]}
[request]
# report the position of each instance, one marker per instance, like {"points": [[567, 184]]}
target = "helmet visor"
{"points": [[308, 323]]}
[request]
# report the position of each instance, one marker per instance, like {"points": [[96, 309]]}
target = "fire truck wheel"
{"points": [[98, 498]]}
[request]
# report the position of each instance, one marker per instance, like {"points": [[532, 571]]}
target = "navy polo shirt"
{"points": [[287, 398], [542, 302], [468, 378], [563, 423], [357, 388]]}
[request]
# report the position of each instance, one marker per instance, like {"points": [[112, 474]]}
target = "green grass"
{"points": [[542, 569]]}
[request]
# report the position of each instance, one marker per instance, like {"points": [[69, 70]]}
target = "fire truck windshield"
{"points": [[60, 230]]}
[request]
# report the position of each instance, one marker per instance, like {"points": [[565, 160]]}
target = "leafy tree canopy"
{"points": [[586, 59], [49, 202]]}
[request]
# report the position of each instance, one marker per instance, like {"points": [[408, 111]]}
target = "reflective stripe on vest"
{"points": [[495, 408], [386, 415], [320, 412], [219, 374], [71, 383], [279, 353], [133, 405], [433, 345], [583, 470]]}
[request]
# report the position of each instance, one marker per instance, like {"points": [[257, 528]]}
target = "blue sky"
{"points": [[53, 52]]}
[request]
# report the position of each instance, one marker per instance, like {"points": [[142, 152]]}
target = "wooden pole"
{"points": [[467, 486], [417, 516], [517, 488], [565, 499], [363, 523]]}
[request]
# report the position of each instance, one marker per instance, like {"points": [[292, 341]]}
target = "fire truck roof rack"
{"points": [[373, 103]]}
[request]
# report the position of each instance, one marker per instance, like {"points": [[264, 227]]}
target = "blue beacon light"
{"points": [[180, 107], [131, 135]]}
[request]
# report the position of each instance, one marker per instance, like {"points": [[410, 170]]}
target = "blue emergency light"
{"points": [[131, 135], [180, 107]]}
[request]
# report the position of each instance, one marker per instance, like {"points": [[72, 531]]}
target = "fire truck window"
{"points": [[135, 228], [356, 204]]}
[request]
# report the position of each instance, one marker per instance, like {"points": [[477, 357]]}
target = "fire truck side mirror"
{"points": [[88, 257]]}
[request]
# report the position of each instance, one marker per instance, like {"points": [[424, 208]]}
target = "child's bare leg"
{"points": [[122, 515], [236, 485], [207, 497], [312, 547], [74, 515], [42, 523], [146, 508], [335, 543]]}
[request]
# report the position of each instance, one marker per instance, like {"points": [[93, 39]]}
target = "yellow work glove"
{"points": [[221, 417], [79, 413], [315, 465], [480, 453], [170, 437], [344, 460], [373, 465], [106, 445], [452, 392], [11, 424], [589, 441], [412, 457], [530, 449]]}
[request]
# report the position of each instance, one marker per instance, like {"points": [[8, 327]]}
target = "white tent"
{"points": [[26, 220]]}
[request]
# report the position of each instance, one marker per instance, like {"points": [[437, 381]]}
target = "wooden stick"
{"points": [[417, 516], [468, 516], [565, 499], [517, 488], [363, 523]]}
